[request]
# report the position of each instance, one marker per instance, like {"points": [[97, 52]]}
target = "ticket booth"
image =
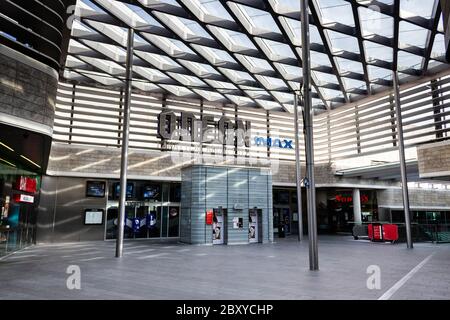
{"points": [[255, 226]]}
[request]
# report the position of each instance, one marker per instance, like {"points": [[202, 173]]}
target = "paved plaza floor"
{"points": [[280, 271]]}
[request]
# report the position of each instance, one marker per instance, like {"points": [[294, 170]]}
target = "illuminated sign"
{"points": [[189, 128], [23, 198], [349, 199]]}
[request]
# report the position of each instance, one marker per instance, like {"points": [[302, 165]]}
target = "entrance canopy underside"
{"points": [[248, 52]]}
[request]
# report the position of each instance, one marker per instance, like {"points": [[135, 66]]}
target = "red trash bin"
{"points": [[390, 232], [375, 232]]}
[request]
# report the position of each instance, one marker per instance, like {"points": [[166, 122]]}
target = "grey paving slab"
{"points": [[151, 270]]}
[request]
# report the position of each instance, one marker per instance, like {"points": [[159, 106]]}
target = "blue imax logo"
{"points": [[269, 142]]}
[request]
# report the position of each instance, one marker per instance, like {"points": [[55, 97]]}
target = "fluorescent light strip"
{"points": [[7, 162], [22, 156], [7, 147]]}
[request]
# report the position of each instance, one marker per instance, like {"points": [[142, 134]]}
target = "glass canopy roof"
{"points": [[248, 52]]}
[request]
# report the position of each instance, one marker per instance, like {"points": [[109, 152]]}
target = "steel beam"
{"points": [[309, 146], [298, 175], [401, 151], [125, 139]]}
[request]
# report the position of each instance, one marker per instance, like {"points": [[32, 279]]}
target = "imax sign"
{"points": [[270, 143]]}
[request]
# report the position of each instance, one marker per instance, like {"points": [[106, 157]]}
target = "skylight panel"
{"points": [[379, 73], [330, 94], [73, 62], [322, 78], [129, 14], [208, 11], [172, 47], [342, 42], [254, 65], [289, 72], [285, 6], [238, 77], [188, 30], [221, 84], [269, 105], [145, 86], [319, 59], [105, 65], [152, 75], [439, 50], [178, 90], [232, 40], [412, 35], [275, 51], [258, 94], [335, 11], [158, 61], [240, 100], [116, 53], [375, 51], [189, 81], [216, 57], [350, 84], [271, 83], [116, 33], [150, 3], [417, 8], [293, 30], [408, 60], [283, 97], [375, 23], [210, 95], [257, 22], [200, 69], [346, 66]]}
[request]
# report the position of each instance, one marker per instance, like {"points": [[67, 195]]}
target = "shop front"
{"points": [[152, 210], [19, 198], [341, 213]]}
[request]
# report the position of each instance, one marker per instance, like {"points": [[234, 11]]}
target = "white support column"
{"points": [[357, 218]]}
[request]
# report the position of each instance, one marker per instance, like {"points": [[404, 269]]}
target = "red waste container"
{"points": [[390, 232], [375, 232], [383, 232]]}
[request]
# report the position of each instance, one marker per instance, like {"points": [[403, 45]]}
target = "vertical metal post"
{"points": [[298, 176], [72, 110], [310, 184], [125, 136], [401, 151]]}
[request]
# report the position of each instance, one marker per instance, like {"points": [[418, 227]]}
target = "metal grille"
{"points": [[89, 115]]}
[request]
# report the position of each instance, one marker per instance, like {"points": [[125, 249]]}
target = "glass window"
{"points": [[175, 192]]}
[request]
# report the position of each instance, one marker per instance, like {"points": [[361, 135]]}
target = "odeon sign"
{"points": [[188, 128]]}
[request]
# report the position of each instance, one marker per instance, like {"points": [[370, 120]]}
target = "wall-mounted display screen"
{"points": [[95, 189], [130, 190], [151, 192], [93, 217]]}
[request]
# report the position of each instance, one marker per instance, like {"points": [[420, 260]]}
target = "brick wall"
{"points": [[434, 159], [26, 92]]}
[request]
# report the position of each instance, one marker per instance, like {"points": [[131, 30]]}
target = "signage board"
{"points": [[93, 217], [23, 198]]}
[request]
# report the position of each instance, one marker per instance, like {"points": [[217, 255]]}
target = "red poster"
{"points": [[209, 217], [26, 184]]}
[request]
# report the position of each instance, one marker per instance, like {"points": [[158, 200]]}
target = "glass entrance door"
{"points": [[282, 217]]}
